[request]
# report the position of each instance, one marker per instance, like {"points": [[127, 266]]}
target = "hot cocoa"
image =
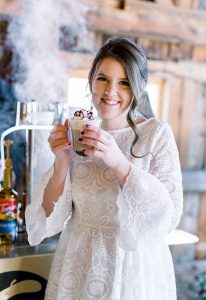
{"points": [[78, 123]]}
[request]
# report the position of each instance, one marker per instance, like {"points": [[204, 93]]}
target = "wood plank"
{"points": [[155, 49], [175, 106], [162, 2], [191, 142], [195, 4], [11, 7], [199, 54], [185, 69], [184, 3], [189, 220], [186, 126], [201, 251], [188, 95], [194, 181], [201, 247], [111, 4], [179, 3], [179, 51], [3, 31], [164, 23], [199, 4], [189, 223], [98, 4], [131, 4], [202, 218], [182, 69]]}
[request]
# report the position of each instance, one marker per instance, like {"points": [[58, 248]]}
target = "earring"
{"points": [[90, 99]]}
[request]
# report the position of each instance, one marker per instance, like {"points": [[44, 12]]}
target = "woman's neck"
{"points": [[111, 124]]}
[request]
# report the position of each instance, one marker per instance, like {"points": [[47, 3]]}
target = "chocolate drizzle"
{"points": [[83, 113]]}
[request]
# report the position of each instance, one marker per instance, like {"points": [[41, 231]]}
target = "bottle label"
{"points": [[8, 209], [8, 227]]}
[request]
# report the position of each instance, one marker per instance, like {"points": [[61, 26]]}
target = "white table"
{"points": [[178, 237]]}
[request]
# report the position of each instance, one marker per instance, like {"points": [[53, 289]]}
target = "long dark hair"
{"points": [[134, 60]]}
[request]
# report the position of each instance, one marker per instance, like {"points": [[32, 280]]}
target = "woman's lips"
{"points": [[110, 101]]}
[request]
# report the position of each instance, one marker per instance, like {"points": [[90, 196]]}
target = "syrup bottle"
{"points": [[8, 203]]}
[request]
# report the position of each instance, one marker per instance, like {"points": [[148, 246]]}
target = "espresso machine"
{"points": [[37, 125]]}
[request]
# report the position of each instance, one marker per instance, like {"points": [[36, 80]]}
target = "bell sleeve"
{"points": [[150, 203], [39, 226]]}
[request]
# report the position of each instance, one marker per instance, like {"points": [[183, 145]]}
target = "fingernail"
{"points": [[83, 152], [82, 132], [80, 139], [87, 125], [69, 144]]}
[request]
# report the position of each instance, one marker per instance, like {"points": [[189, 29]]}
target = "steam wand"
{"points": [[16, 128]]}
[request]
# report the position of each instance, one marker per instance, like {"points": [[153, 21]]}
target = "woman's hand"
{"points": [[61, 147], [107, 149], [59, 142]]}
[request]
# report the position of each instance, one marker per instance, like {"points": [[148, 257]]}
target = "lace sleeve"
{"points": [[37, 224], [150, 203]]}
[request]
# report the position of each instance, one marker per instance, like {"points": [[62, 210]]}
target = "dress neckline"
{"points": [[124, 129]]}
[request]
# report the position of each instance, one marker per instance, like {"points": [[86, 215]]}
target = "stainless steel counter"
{"points": [[22, 247]]}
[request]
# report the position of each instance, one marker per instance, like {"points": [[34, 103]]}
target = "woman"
{"points": [[116, 210]]}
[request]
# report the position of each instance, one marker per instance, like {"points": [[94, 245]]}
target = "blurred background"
{"points": [[46, 49]]}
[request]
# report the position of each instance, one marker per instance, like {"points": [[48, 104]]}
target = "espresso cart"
{"points": [[24, 269]]}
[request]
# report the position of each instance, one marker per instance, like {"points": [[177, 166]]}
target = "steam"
{"points": [[40, 72]]}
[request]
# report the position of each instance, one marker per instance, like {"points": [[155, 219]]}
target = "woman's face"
{"points": [[111, 93]]}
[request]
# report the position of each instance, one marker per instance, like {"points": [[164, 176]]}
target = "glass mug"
{"points": [[77, 126]]}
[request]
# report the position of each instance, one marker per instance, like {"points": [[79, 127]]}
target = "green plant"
{"points": [[200, 287]]}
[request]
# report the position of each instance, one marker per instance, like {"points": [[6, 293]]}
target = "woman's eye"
{"points": [[124, 83], [101, 78]]}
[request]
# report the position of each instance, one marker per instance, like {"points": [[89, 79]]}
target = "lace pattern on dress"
{"points": [[113, 246], [38, 225]]}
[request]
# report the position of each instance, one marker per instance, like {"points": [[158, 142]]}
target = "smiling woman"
{"points": [[111, 93], [115, 209]]}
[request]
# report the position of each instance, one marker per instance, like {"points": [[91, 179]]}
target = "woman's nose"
{"points": [[111, 90]]}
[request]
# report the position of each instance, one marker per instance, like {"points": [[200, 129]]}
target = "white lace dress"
{"points": [[112, 245]]}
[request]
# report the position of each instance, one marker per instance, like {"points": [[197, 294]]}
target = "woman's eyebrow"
{"points": [[123, 78], [101, 74]]}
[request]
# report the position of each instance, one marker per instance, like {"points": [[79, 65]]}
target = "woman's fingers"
{"points": [[58, 132], [93, 142], [58, 142], [96, 129], [60, 128], [58, 139], [59, 148], [96, 134], [66, 124], [98, 138], [58, 135], [96, 153]]}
